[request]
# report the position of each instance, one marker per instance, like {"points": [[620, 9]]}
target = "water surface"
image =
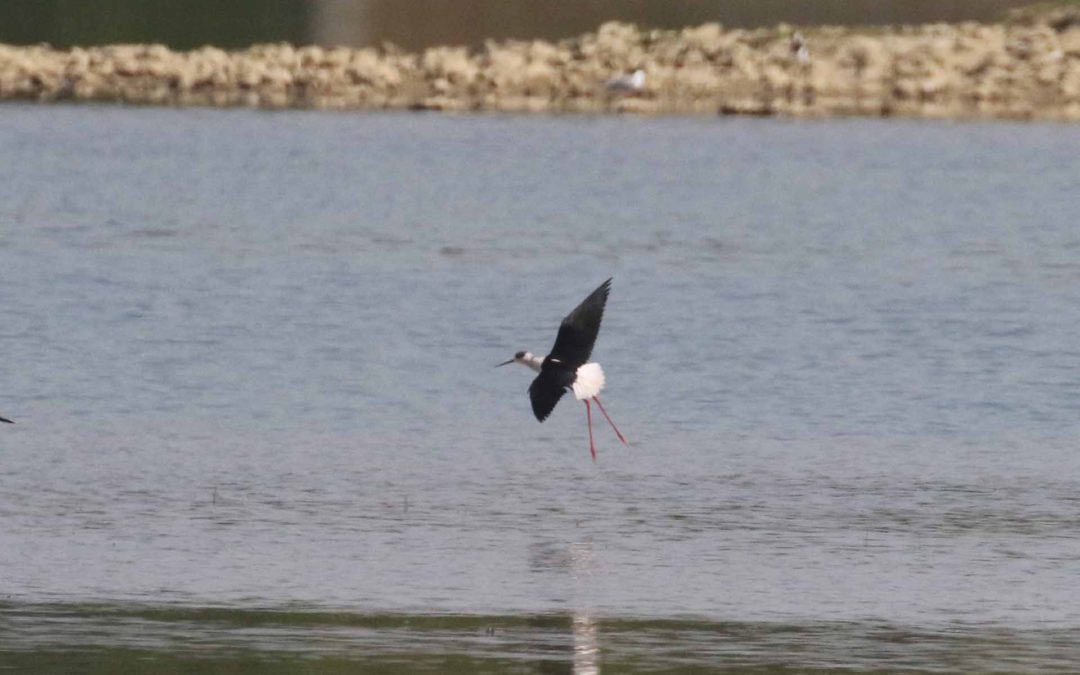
{"points": [[250, 359]]}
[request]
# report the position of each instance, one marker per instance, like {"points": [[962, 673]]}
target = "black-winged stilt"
{"points": [[567, 367]]}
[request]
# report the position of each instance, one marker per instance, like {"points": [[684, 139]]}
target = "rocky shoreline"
{"points": [[1027, 68]]}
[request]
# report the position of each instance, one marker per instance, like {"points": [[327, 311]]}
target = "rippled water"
{"points": [[258, 427]]}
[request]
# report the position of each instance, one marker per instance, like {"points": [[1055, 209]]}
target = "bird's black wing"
{"points": [[577, 334], [546, 390]]}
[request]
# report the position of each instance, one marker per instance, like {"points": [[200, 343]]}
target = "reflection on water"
{"points": [[572, 566], [186, 25], [417, 24], [61, 639], [586, 645]]}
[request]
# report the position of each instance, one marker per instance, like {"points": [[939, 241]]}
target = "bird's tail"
{"points": [[589, 381]]}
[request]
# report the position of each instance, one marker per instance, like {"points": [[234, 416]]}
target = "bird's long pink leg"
{"points": [[588, 416], [597, 399]]}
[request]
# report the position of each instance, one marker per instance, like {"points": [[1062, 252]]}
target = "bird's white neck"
{"points": [[532, 361]]}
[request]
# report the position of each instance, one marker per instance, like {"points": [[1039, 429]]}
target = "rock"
{"points": [[1019, 69]]}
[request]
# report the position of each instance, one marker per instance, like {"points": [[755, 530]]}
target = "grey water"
{"points": [[250, 360]]}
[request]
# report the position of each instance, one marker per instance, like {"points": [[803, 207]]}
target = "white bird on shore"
{"points": [[627, 84]]}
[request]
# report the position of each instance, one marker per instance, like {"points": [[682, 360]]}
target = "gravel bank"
{"points": [[1027, 68]]}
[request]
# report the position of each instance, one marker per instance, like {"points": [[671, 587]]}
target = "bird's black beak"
{"points": [[505, 363]]}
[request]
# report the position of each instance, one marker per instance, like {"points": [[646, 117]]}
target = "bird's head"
{"points": [[525, 359], [518, 358]]}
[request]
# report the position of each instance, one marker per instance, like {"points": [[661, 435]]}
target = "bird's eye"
{"points": [[519, 355]]}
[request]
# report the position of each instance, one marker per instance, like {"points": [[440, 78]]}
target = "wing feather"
{"points": [[546, 390], [578, 331]]}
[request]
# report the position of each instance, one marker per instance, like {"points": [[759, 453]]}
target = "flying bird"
{"points": [[567, 367]]}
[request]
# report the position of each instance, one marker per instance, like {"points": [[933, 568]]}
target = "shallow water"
{"points": [[258, 427]]}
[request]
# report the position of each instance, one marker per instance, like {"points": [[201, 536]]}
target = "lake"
{"points": [[258, 427]]}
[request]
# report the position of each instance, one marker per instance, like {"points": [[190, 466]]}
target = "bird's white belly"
{"points": [[589, 382]]}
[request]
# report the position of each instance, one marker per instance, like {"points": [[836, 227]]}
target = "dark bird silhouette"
{"points": [[567, 367]]}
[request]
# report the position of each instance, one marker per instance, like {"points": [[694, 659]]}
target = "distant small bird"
{"points": [[799, 49], [4, 419], [567, 366], [627, 84]]}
